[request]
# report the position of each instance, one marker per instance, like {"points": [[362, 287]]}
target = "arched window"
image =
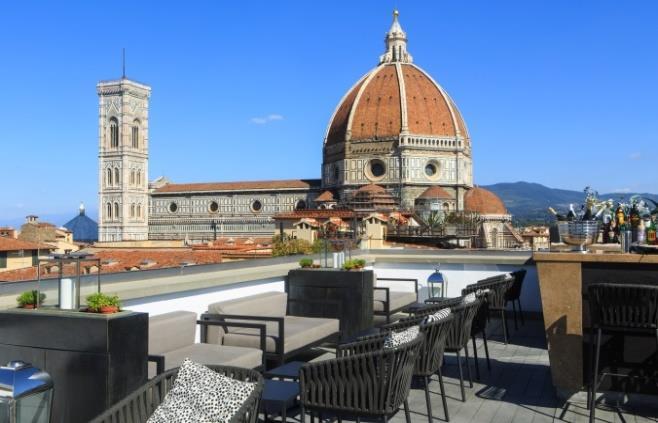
{"points": [[116, 211], [132, 210], [135, 133], [109, 177], [117, 181], [108, 212], [139, 178], [114, 133], [139, 210], [132, 177]]}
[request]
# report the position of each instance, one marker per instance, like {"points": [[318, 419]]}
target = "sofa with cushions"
{"points": [[171, 340], [284, 335]]}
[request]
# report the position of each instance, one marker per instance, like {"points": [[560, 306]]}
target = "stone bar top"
{"points": [[563, 278]]}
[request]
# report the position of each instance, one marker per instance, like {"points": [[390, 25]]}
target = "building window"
{"points": [[300, 205], [376, 170], [117, 215], [213, 207], [432, 170], [135, 134], [173, 207], [109, 177], [117, 181], [109, 212], [139, 178], [132, 210], [132, 177], [114, 133], [256, 206], [139, 210]]}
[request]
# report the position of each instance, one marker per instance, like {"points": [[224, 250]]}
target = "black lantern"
{"points": [[26, 394]]}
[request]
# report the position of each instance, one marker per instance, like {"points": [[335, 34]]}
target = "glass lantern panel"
{"points": [[4, 410], [34, 408]]}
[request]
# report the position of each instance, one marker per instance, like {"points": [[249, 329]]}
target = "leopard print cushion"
{"points": [[441, 314], [396, 339], [482, 292], [201, 395]]}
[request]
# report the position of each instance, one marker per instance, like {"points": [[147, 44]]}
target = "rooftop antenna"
{"points": [[123, 62]]}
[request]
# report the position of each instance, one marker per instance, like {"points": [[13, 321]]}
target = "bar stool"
{"points": [[617, 309]]}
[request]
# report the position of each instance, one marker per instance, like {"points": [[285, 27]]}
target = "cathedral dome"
{"points": [[395, 98], [482, 201]]}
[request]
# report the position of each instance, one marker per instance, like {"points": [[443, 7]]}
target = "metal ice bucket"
{"points": [[581, 234]]}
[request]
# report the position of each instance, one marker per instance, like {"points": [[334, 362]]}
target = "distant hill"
{"points": [[528, 202]]}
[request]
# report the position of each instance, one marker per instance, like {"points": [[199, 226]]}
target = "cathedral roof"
{"points": [[239, 186], [433, 192], [325, 197], [397, 97], [482, 201]]}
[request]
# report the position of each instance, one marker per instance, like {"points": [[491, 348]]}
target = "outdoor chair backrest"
{"points": [[623, 306], [140, 405], [514, 292], [498, 288], [374, 383], [460, 330], [479, 324], [171, 331]]}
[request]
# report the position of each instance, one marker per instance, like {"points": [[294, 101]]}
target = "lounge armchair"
{"points": [[171, 340], [285, 335], [359, 384], [140, 405], [387, 302]]}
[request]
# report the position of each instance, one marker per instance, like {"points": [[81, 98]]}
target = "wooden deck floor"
{"points": [[517, 389]]}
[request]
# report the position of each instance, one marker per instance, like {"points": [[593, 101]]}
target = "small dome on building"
{"points": [[482, 201], [434, 192], [83, 228], [372, 197]]}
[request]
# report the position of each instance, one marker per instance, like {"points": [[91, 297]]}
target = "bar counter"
{"points": [[563, 278]]}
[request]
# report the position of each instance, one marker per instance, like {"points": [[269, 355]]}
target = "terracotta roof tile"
{"points": [[434, 191], [482, 201], [13, 244], [324, 197]]}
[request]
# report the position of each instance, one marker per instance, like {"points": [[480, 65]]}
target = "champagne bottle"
{"points": [[635, 221], [608, 235], [571, 216], [558, 216]]}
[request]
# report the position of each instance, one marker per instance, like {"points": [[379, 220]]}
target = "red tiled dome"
{"points": [[375, 107], [433, 192], [482, 201]]}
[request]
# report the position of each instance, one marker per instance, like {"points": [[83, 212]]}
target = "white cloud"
{"points": [[621, 190], [265, 119], [635, 156]]}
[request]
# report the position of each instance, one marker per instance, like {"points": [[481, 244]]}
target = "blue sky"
{"points": [[558, 92]]}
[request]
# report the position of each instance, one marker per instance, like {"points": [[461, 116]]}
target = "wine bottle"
{"points": [[588, 213], [608, 234], [635, 219], [558, 216]]}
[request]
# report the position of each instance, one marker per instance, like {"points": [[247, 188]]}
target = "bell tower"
{"points": [[123, 143]]}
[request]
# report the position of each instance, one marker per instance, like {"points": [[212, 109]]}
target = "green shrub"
{"points": [[354, 264], [306, 262], [287, 247], [30, 298]]}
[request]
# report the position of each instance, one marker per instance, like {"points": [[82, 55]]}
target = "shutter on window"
{"points": [[3, 259]]}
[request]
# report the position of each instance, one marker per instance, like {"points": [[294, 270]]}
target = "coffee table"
{"points": [[278, 396]]}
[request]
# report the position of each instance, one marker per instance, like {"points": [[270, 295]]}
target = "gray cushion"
{"points": [[399, 299], [267, 304], [171, 331], [211, 354], [298, 332]]}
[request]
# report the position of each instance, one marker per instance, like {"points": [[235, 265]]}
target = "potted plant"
{"points": [[306, 263], [103, 303], [28, 299]]}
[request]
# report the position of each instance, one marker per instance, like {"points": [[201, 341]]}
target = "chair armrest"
{"points": [[262, 329], [387, 303], [159, 361], [415, 281]]}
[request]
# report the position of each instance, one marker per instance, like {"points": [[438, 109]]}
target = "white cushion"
{"points": [[441, 314], [201, 395], [396, 339]]}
